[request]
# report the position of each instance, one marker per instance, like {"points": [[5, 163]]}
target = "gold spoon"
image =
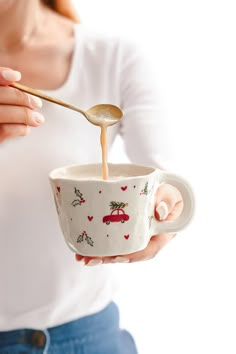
{"points": [[101, 114]]}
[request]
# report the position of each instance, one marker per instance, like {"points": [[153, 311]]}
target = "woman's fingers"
{"points": [[20, 115], [8, 131], [154, 246], [7, 76], [12, 96], [17, 109], [169, 203]]}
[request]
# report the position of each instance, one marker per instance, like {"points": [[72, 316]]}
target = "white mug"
{"points": [[115, 216]]}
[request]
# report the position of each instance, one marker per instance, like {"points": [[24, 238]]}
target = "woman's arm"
{"points": [[144, 128]]}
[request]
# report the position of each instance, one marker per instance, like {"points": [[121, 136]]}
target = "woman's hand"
{"points": [[16, 108], [168, 206]]}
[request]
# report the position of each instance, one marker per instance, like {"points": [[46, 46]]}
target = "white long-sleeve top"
{"points": [[41, 284]]}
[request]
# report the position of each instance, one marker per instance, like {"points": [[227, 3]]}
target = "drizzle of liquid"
{"points": [[103, 119], [103, 139]]}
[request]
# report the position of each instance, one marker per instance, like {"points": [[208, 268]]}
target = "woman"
{"points": [[49, 302]]}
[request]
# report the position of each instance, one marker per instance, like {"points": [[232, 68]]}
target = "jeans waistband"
{"points": [[107, 319]]}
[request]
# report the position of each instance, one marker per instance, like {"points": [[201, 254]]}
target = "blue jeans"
{"points": [[94, 334]]}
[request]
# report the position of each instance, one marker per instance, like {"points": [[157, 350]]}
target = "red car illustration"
{"points": [[116, 215]]}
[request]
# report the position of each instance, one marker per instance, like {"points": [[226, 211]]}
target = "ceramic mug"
{"points": [[116, 216]]}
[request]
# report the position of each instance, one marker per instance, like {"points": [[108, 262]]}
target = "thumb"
{"points": [[7, 76], [169, 203], [162, 211]]}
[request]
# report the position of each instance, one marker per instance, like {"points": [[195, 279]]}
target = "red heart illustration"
{"points": [[90, 218], [126, 237], [124, 188], [58, 189]]}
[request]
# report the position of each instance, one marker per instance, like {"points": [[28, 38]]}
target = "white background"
{"points": [[183, 301]]}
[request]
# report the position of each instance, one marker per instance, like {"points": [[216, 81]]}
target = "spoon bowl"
{"points": [[104, 114], [101, 114]]}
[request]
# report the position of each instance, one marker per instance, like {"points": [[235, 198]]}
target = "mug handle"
{"points": [[183, 220]]}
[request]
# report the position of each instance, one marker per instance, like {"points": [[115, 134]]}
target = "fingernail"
{"points": [[11, 75], [94, 262], [162, 210], [120, 260], [38, 118], [35, 101]]}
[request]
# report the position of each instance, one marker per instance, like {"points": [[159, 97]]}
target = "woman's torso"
{"points": [[41, 283]]}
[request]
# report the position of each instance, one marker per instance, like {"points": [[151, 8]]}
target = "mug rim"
{"points": [[61, 172]]}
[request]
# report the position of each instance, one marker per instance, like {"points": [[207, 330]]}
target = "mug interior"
{"points": [[95, 171]]}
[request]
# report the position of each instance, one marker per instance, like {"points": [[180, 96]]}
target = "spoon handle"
{"points": [[47, 98]]}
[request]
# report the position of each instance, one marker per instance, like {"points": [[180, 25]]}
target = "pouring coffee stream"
{"points": [[102, 115]]}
